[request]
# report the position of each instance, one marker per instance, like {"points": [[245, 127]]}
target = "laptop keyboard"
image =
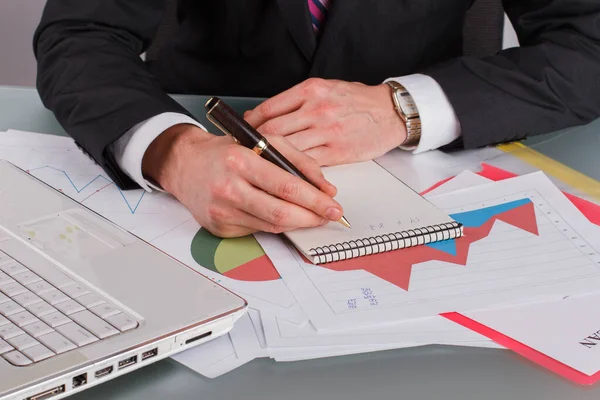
{"points": [[43, 317]]}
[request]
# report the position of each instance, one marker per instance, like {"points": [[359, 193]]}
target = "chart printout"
{"points": [[524, 241]]}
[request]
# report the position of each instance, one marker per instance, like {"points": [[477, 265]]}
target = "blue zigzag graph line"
{"points": [[79, 190]]}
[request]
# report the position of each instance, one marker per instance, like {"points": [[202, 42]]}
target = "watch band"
{"points": [[413, 120]]}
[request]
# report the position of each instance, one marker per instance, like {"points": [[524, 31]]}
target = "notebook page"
{"points": [[375, 202]]}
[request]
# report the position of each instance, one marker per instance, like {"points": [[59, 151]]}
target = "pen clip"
{"points": [[221, 127]]}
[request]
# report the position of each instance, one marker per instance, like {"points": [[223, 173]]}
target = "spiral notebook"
{"points": [[385, 214]]}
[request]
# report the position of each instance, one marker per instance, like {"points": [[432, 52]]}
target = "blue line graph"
{"points": [[132, 209]]}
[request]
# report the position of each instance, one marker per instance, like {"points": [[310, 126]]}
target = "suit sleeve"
{"points": [[549, 83], [90, 73]]}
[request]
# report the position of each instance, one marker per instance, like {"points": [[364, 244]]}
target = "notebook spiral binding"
{"points": [[387, 242]]}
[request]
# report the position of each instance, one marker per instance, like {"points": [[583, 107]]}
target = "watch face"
{"points": [[407, 104]]}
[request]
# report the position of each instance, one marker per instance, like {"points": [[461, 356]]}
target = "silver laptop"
{"points": [[83, 301]]}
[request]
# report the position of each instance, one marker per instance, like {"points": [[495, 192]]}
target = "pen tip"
{"points": [[345, 222]]}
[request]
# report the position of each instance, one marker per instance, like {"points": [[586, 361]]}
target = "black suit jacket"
{"points": [[90, 73]]}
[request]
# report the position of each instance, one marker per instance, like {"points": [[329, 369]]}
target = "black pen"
{"points": [[243, 133]]}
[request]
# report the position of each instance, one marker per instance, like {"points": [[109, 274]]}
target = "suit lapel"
{"points": [[297, 17]]}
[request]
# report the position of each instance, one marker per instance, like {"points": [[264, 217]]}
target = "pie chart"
{"points": [[241, 259]]}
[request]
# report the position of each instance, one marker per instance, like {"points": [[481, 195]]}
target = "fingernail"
{"points": [[334, 214]]}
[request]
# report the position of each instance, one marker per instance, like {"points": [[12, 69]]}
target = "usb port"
{"points": [[101, 373], [48, 393], [79, 380], [149, 354], [127, 362]]}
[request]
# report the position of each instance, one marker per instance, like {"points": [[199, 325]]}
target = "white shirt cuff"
{"points": [[439, 123], [130, 148]]}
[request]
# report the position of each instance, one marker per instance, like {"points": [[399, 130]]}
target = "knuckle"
{"points": [[235, 159], [269, 128], [337, 128], [278, 216], [273, 228], [288, 190], [265, 109], [326, 110], [216, 215], [224, 189], [317, 204], [314, 86]]}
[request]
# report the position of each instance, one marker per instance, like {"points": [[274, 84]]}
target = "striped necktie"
{"points": [[318, 13]]}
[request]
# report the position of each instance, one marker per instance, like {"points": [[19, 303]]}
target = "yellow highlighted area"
{"points": [[571, 177]]}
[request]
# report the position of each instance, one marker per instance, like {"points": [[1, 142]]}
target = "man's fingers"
{"points": [[277, 212], [281, 104], [240, 223], [307, 165], [307, 139], [292, 191], [323, 155], [286, 124]]}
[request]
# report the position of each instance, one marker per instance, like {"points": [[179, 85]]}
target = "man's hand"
{"points": [[335, 122], [231, 191]]}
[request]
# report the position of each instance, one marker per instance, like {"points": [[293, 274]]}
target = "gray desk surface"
{"points": [[427, 373]]}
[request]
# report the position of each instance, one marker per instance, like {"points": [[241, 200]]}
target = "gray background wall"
{"points": [[18, 19]]}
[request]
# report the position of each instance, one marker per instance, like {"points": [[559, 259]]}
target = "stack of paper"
{"points": [[525, 276]]}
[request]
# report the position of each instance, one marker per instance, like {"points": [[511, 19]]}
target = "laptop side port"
{"points": [[149, 354], [195, 339], [101, 373], [48, 393], [128, 362], [79, 380]]}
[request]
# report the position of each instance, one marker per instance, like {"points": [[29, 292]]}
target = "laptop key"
{"points": [[5, 258], [3, 298], [69, 307], [13, 268], [54, 296], [16, 358], [38, 353], [41, 308], [57, 342], [5, 278], [122, 322], [76, 334], [38, 328], [3, 321], [75, 290], [22, 342], [55, 319], [105, 310], [9, 308], [90, 300], [26, 299], [5, 347], [9, 331], [92, 323], [12, 289], [25, 278], [40, 287], [23, 318]]}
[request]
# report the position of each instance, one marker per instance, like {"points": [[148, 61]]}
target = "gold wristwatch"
{"points": [[407, 109]]}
